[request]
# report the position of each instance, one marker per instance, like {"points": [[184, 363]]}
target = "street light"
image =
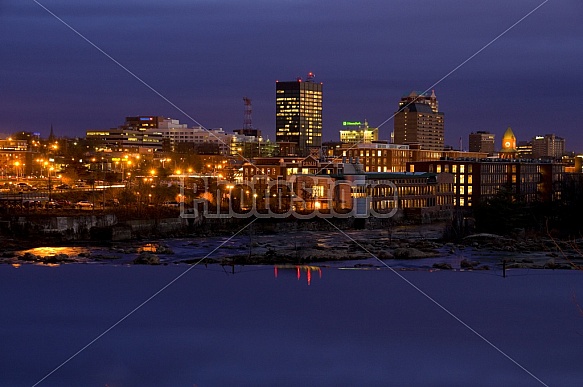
{"points": [[50, 170], [17, 165]]}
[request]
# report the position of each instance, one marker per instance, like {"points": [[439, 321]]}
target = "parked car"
{"points": [[171, 204], [32, 204], [63, 186], [84, 204], [64, 203], [52, 204], [24, 187]]}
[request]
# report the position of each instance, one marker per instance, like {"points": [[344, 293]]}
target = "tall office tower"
{"points": [[419, 121], [481, 141], [298, 113]]}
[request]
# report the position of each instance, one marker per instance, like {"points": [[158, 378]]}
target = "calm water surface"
{"points": [[256, 328]]}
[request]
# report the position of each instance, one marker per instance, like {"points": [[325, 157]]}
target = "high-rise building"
{"points": [[298, 111], [548, 146], [481, 141], [419, 121]]}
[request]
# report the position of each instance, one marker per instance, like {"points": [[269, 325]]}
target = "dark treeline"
{"points": [[506, 213]]}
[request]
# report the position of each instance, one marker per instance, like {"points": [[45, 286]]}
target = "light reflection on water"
{"points": [[297, 269], [149, 247], [51, 251]]}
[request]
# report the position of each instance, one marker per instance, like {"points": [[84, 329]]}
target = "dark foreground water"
{"points": [[347, 328]]}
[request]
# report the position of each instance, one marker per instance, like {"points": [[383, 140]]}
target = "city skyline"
{"points": [[208, 56]]}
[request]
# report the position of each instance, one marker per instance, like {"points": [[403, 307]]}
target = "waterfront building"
{"points": [[419, 196], [482, 141], [419, 121], [478, 180], [309, 184], [298, 111]]}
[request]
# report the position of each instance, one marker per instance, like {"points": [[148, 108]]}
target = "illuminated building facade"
{"points": [[344, 186], [479, 180], [419, 121], [394, 158], [508, 150], [524, 150], [174, 132], [125, 140], [298, 111], [358, 133]]}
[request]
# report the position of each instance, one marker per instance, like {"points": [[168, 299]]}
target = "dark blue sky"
{"points": [[205, 56]]}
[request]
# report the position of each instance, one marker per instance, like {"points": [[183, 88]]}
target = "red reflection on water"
{"points": [[298, 270]]}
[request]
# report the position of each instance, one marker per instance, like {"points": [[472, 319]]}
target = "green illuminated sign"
{"points": [[351, 123]]}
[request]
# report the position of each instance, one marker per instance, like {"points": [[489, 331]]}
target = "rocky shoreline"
{"points": [[402, 247]]}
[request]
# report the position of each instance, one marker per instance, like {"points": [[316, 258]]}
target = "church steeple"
{"points": [[51, 135]]}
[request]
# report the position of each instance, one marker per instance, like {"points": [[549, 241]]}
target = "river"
{"points": [[266, 327]]}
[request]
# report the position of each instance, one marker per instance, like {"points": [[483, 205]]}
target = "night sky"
{"points": [[205, 56]]}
